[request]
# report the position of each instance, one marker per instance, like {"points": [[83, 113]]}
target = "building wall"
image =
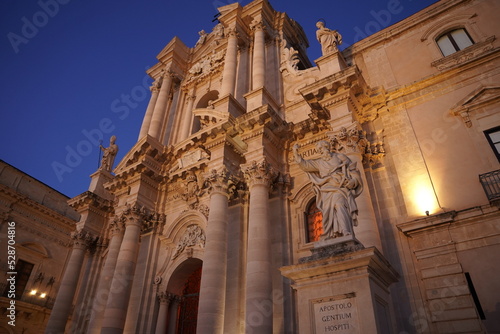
{"points": [[40, 222], [413, 121]]}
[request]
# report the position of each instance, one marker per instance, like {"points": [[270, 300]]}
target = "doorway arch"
{"points": [[185, 284]]}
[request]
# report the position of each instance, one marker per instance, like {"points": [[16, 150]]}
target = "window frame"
{"points": [[448, 34], [491, 142]]}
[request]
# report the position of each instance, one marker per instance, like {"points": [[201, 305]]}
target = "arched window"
{"points": [[453, 41], [314, 222]]}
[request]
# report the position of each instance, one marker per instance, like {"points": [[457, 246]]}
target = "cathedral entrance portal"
{"points": [[185, 284]]}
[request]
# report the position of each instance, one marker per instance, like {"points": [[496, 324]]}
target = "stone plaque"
{"points": [[337, 314]]}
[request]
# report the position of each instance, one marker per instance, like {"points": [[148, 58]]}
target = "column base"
{"points": [[343, 287]]}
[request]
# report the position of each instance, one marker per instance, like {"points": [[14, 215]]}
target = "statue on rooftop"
{"points": [[108, 157], [329, 39]]}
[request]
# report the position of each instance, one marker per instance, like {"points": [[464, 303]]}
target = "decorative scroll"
{"points": [[193, 236]]}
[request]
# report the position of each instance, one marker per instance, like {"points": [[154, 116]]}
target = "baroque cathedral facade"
{"points": [[270, 194]]}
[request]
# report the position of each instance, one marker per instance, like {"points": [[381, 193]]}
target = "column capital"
{"points": [[231, 32], [261, 173], [81, 239], [164, 297], [117, 226], [257, 25], [219, 181]]}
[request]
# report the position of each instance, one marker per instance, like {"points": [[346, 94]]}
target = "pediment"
{"points": [[476, 99], [146, 146]]}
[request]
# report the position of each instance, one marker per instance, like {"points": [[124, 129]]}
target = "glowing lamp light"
{"points": [[33, 292], [425, 199], [43, 295]]}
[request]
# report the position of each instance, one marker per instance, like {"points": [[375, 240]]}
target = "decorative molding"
{"points": [[193, 236], [466, 55]]}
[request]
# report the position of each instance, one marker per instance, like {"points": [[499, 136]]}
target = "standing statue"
{"points": [[203, 37], [329, 39], [108, 157], [336, 182]]}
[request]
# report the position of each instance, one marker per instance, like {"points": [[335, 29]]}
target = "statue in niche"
{"points": [[337, 182], [329, 39], [108, 157]]}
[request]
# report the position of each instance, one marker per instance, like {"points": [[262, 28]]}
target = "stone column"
{"points": [[160, 109], [353, 144], [259, 301], [186, 123], [161, 323], [121, 284], [149, 111], [213, 279], [102, 292], [172, 316], [259, 55], [229, 73], [63, 304]]}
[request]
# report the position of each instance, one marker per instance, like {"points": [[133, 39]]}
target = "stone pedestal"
{"points": [[258, 98], [343, 288], [97, 181], [331, 63]]}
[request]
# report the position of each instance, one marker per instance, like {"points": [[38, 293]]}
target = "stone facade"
{"points": [[202, 224], [36, 222]]}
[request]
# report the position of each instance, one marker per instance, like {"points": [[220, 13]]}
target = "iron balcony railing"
{"points": [[491, 184]]}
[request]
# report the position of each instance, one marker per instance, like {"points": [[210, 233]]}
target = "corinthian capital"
{"points": [[259, 173], [257, 25], [81, 239], [219, 181]]}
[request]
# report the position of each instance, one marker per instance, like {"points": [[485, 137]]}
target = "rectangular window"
{"points": [[493, 137], [454, 41], [23, 270]]}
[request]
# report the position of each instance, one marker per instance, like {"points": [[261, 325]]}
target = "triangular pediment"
{"points": [[146, 146], [478, 98]]}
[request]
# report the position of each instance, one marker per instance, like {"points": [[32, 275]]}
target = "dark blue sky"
{"points": [[71, 70]]}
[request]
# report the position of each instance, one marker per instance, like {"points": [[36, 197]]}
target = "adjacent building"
{"points": [[35, 241], [268, 193]]}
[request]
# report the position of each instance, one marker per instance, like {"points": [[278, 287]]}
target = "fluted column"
{"points": [[213, 279], [186, 122], [161, 322], [160, 109], [63, 304], [146, 123], [229, 73], [101, 297], [119, 293], [259, 302], [259, 55]]}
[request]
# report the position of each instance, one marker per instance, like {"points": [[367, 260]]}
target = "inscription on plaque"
{"points": [[335, 315]]}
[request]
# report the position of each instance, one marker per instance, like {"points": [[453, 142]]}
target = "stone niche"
{"points": [[344, 288]]}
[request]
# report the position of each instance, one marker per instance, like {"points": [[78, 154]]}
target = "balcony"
{"points": [[491, 184]]}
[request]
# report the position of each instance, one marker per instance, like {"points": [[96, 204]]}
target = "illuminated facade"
{"points": [[36, 221], [209, 225]]}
